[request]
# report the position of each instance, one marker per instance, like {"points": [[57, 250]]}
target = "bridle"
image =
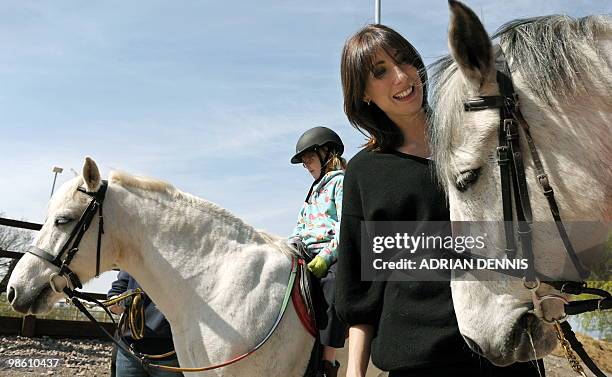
{"points": [[71, 246], [514, 188]]}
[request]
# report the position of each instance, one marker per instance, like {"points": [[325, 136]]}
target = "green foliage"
{"points": [[596, 324], [599, 324], [600, 273]]}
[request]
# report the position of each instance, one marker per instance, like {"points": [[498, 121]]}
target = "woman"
{"points": [[156, 340], [409, 327], [319, 150]]}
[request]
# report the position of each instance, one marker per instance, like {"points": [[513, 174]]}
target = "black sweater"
{"points": [[415, 322]]}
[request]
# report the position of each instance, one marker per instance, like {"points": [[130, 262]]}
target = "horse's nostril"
{"points": [[10, 294]]}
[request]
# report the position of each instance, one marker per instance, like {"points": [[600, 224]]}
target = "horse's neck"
{"points": [[572, 139], [177, 249]]}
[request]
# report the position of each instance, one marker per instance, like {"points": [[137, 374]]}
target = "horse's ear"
{"points": [[91, 175], [470, 45]]}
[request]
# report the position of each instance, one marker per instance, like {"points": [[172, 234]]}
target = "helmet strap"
{"points": [[323, 161]]}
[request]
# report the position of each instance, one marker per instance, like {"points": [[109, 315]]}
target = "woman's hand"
{"points": [[360, 337], [116, 308]]}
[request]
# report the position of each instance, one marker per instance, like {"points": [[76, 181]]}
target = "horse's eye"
{"points": [[466, 178], [62, 220]]}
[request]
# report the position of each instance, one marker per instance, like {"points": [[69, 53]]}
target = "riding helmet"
{"points": [[315, 138]]}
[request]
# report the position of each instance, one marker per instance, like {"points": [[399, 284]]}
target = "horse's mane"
{"points": [[144, 183], [556, 54], [153, 185], [558, 57]]}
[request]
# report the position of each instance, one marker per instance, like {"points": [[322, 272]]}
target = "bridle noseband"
{"points": [[71, 246], [514, 188]]}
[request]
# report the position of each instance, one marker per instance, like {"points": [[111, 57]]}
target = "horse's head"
{"points": [[35, 284], [560, 68]]}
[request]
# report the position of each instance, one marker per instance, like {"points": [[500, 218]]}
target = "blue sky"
{"points": [[210, 96]]}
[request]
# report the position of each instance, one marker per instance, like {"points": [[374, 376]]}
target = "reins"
{"points": [[76, 296]]}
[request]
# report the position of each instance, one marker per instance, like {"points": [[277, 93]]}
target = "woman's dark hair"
{"points": [[356, 65]]}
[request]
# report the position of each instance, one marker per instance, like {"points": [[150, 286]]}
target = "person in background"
{"points": [[157, 339], [320, 150]]}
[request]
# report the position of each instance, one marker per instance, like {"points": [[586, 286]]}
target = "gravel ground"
{"points": [[63, 357], [76, 357]]}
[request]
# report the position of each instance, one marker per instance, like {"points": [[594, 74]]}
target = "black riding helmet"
{"points": [[313, 140]]}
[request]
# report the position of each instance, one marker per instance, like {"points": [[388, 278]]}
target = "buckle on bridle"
{"points": [[54, 287], [545, 184], [537, 300], [502, 155], [511, 129], [514, 102], [536, 284]]}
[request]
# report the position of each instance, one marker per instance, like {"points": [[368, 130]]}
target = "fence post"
{"points": [[28, 326]]}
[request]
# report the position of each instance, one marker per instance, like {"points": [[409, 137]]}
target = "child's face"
{"points": [[311, 161]]}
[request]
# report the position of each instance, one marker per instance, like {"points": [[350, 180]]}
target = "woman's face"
{"points": [[395, 88], [311, 161]]}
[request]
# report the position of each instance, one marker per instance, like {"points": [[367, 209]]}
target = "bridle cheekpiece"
{"points": [[71, 246]]}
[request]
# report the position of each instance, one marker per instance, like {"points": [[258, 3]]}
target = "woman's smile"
{"points": [[405, 95]]}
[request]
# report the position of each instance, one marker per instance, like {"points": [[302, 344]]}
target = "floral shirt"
{"points": [[318, 224]]}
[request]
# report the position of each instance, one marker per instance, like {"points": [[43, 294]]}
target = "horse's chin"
{"points": [[529, 339], [40, 304]]}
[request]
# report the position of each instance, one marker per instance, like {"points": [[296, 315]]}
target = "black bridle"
{"points": [[71, 246], [514, 188]]}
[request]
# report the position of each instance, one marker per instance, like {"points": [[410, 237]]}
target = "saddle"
{"points": [[307, 296]]}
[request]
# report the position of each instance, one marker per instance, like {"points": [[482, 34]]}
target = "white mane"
{"points": [[154, 186]]}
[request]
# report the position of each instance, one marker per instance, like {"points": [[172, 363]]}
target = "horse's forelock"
{"points": [[447, 93]]}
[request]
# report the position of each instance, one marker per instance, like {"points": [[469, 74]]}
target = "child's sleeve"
{"points": [[330, 253]]}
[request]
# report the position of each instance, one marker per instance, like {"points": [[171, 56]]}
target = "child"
{"points": [[319, 150]]}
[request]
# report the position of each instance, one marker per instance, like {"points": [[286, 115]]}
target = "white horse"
{"points": [[562, 73], [219, 281]]}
